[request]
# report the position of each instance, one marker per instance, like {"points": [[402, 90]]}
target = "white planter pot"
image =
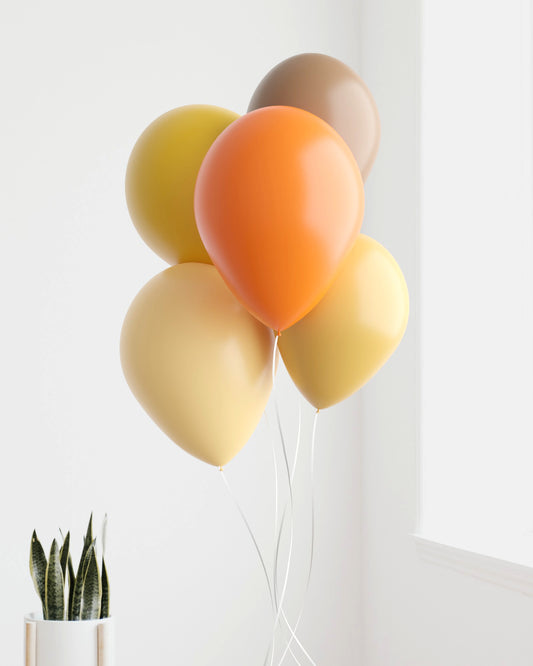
{"points": [[81, 643]]}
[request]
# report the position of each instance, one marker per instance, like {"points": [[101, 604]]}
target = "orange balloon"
{"points": [[279, 202]]}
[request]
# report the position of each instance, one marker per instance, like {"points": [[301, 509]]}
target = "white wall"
{"points": [[415, 613], [476, 283], [79, 83]]}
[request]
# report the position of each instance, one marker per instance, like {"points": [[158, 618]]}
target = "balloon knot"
{"points": [[220, 469]]}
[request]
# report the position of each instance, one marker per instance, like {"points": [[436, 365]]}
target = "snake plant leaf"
{"points": [[64, 555], [88, 591], [38, 569], [71, 583], [54, 586], [78, 585], [89, 535], [75, 600], [104, 535], [92, 589], [86, 562], [104, 607]]}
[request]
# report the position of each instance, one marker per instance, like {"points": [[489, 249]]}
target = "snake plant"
{"points": [[64, 593]]}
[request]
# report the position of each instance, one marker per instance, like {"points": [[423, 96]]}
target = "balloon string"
{"points": [[291, 538], [276, 493], [276, 490], [292, 630], [311, 557], [290, 477], [250, 532], [298, 438], [286, 620], [276, 475], [276, 507], [276, 341], [278, 534]]}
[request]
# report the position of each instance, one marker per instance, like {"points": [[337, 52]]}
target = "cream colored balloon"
{"points": [[348, 336], [197, 361]]}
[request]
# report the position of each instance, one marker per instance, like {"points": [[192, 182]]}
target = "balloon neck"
{"points": [[221, 469]]}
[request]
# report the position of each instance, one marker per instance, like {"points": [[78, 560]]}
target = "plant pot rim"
{"points": [[37, 617]]}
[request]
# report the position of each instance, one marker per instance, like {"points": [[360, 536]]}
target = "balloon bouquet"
{"points": [[259, 217]]}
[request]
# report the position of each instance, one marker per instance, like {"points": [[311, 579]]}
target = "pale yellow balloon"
{"points": [[161, 177], [354, 329], [197, 361]]}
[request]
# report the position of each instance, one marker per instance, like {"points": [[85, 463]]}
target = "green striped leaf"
{"points": [[71, 583], [104, 608], [74, 606], [64, 555], [80, 577], [92, 589], [88, 591], [54, 586], [89, 535], [38, 569]]}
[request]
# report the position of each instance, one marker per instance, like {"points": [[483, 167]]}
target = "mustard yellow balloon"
{"points": [[197, 361], [349, 335], [161, 176]]}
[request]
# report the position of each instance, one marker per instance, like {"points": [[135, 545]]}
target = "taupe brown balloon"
{"points": [[331, 90], [197, 361]]}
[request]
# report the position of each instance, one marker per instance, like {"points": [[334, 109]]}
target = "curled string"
{"points": [[278, 534], [295, 461], [276, 341], [287, 623], [291, 538], [274, 457], [276, 495], [276, 507], [311, 557], [283, 615], [290, 477], [298, 437], [250, 532], [292, 630]]}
